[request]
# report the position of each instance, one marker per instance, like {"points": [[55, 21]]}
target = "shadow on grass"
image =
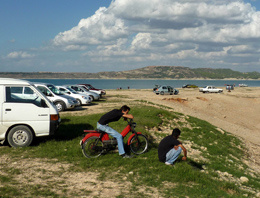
{"points": [[192, 163], [151, 141], [71, 131], [65, 132], [195, 165], [101, 100], [77, 109]]}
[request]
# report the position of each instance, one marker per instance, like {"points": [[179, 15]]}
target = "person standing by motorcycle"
{"points": [[113, 116]]}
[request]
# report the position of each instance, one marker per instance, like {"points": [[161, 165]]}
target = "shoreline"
{"points": [[222, 79], [235, 79]]}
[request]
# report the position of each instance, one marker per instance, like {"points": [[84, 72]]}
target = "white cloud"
{"points": [[102, 27], [19, 54], [146, 30], [141, 41]]}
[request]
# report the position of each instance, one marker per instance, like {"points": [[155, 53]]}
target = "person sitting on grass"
{"points": [[170, 148], [113, 116]]}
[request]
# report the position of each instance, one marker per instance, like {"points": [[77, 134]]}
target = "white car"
{"points": [[210, 89], [61, 101], [81, 89], [83, 99]]}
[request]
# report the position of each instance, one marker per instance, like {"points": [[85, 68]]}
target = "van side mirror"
{"points": [[43, 103]]}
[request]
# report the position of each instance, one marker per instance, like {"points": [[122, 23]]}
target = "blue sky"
{"points": [[103, 35]]}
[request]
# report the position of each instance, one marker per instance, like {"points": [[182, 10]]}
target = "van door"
{"points": [[2, 129], [24, 106]]}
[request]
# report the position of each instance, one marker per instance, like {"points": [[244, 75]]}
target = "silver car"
{"points": [[164, 89], [81, 89], [82, 99], [60, 100]]}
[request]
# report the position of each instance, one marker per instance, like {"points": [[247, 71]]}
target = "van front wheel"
{"points": [[20, 136]]}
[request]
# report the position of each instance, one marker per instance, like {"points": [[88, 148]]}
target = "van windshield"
{"points": [[54, 90]]}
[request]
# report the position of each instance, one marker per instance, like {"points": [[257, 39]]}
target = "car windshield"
{"points": [[71, 90], [75, 88], [90, 87], [54, 90], [84, 88]]}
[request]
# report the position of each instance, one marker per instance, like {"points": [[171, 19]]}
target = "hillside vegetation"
{"points": [[150, 72]]}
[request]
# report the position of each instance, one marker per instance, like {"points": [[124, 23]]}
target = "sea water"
{"points": [[144, 83]]}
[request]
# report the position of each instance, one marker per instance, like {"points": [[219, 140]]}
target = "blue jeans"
{"points": [[172, 155], [115, 134]]}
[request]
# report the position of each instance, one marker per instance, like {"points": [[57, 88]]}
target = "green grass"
{"points": [[193, 178]]}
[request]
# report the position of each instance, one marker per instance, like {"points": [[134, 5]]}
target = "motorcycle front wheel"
{"points": [[92, 147], [138, 144]]}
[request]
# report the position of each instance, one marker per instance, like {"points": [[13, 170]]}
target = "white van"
{"points": [[61, 101], [25, 113]]}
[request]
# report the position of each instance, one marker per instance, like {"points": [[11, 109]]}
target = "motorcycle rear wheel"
{"points": [[139, 144], [92, 147]]}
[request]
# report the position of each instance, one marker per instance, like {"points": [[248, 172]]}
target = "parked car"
{"points": [[189, 86], [61, 101], [243, 85], [210, 89], [82, 99], [164, 89], [81, 89], [101, 92], [25, 113], [156, 87]]}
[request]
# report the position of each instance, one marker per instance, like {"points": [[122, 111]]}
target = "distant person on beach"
{"points": [[113, 116], [170, 148]]}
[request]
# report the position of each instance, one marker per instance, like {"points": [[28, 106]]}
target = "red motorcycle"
{"points": [[97, 142]]}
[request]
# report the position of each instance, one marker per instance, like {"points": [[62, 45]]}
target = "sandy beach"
{"points": [[236, 112]]}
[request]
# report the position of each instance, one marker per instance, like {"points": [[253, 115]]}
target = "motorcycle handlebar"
{"points": [[128, 120]]}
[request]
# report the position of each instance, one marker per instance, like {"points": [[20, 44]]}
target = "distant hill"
{"points": [[149, 72]]}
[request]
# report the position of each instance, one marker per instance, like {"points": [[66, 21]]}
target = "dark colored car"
{"points": [[189, 86]]}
